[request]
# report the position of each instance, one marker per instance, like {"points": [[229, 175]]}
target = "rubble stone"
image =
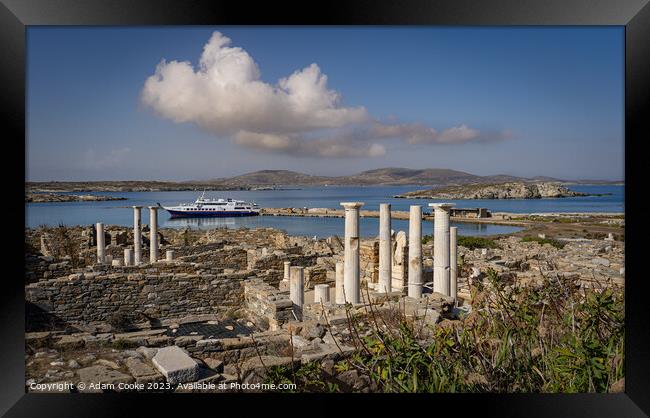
{"points": [[176, 365]]}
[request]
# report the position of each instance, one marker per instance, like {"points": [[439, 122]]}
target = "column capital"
{"points": [[352, 205], [136, 207], [442, 206], [153, 207]]}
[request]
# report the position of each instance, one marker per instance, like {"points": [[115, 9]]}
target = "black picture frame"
{"points": [[16, 15]]}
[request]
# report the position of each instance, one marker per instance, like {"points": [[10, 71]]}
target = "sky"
{"points": [[195, 103]]}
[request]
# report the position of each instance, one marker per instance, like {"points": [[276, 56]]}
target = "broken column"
{"points": [[453, 256], [101, 248], [284, 283], [297, 286], [321, 293], [340, 295], [45, 244], [385, 249], [169, 255], [441, 267], [153, 234], [400, 262], [415, 252], [128, 257], [351, 272], [137, 234], [287, 265]]}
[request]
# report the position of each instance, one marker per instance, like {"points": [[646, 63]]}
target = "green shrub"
{"points": [[541, 241], [120, 321], [124, 344], [551, 337], [471, 243]]}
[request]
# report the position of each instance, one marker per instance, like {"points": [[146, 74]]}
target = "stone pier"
{"points": [[415, 252], [128, 257], [441, 267], [101, 244], [351, 272], [153, 234], [340, 295], [453, 257], [297, 289], [385, 249], [137, 234], [321, 293]]}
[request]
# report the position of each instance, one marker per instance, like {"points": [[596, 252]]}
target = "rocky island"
{"points": [[516, 190], [56, 197]]}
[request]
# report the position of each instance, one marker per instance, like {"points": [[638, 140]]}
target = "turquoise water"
{"points": [[120, 213]]}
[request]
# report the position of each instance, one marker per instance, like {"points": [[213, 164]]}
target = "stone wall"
{"points": [[231, 257], [369, 261], [265, 305], [83, 298]]}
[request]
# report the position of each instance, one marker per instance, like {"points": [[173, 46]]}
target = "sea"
{"points": [[119, 212]]}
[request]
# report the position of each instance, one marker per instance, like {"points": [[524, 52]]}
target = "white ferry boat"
{"points": [[203, 207]]}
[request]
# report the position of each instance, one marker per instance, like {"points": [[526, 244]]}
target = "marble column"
{"points": [[340, 295], [441, 267], [453, 258], [351, 272], [101, 244], [128, 257], [153, 234], [297, 286], [284, 283], [137, 234], [169, 255], [415, 252], [385, 247], [321, 293], [287, 265]]}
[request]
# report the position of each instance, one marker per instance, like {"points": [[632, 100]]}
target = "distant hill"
{"points": [[271, 177], [381, 176], [410, 176], [432, 177]]}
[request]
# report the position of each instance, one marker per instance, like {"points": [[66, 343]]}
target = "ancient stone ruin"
{"points": [[224, 305]]}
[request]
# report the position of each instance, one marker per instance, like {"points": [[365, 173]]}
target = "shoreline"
{"points": [[65, 198]]}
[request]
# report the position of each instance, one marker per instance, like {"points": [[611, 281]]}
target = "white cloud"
{"points": [[225, 96], [302, 147]]}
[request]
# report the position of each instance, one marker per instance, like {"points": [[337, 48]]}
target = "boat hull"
{"points": [[210, 214]]}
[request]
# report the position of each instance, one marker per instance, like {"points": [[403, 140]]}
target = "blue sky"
{"points": [[521, 101]]}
